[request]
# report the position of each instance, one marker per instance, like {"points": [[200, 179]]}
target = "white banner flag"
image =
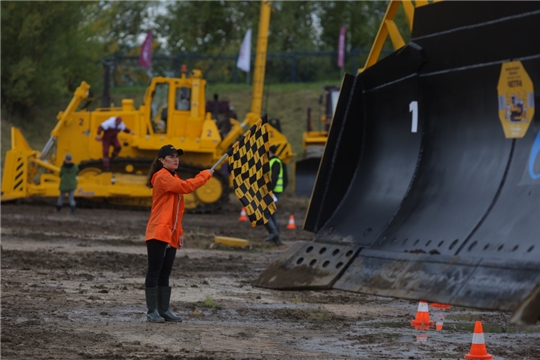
{"points": [[244, 57]]}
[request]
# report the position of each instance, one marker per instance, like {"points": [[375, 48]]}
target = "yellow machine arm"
{"points": [[260, 59], [258, 79], [388, 28], [63, 117], [284, 148]]}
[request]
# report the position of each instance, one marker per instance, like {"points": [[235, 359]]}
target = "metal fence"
{"points": [[301, 66]]}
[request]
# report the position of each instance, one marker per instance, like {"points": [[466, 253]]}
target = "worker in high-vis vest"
{"points": [[277, 186]]}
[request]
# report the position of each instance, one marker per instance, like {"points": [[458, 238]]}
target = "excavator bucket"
{"points": [[430, 179]]}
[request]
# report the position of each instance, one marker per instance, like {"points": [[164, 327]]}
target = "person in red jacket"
{"points": [[164, 229], [110, 129]]}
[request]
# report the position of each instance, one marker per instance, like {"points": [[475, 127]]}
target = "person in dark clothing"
{"points": [[110, 129], [277, 186], [68, 183]]}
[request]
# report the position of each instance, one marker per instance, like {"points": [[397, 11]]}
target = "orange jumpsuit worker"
{"points": [[164, 230], [110, 128]]}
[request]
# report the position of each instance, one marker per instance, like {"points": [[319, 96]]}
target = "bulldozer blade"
{"points": [[307, 265], [16, 168], [470, 282], [432, 166], [341, 152], [305, 175]]}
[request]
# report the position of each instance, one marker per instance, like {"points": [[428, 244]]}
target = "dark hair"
{"points": [[154, 168]]}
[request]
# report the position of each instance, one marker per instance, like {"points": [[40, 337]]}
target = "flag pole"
{"points": [[263, 118], [220, 161]]}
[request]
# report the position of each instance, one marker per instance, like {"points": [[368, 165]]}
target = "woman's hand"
{"points": [[211, 171]]}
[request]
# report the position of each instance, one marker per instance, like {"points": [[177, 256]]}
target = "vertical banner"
{"points": [[341, 47], [145, 58], [245, 53], [516, 99]]}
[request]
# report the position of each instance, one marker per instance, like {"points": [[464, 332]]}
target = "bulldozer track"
{"points": [[185, 171]]}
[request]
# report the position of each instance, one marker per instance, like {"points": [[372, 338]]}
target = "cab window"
{"points": [[183, 98], [158, 109]]}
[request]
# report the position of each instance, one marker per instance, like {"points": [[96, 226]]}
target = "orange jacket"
{"points": [[165, 223]]}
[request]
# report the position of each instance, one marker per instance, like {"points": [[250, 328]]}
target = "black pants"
{"points": [[273, 217], [160, 263]]}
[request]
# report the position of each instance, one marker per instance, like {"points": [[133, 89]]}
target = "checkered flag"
{"points": [[250, 168]]}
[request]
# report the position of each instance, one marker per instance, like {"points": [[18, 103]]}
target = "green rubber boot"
{"points": [[151, 302], [164, 298]]}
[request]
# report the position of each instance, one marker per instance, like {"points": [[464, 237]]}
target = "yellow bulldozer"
{"points": [[313, 143], [173, 112]]}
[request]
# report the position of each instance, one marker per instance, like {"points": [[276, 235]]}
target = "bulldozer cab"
{"points": [[173, 106], [159, 108]]}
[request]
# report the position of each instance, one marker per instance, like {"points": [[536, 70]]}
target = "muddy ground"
{"points": [[72, 288]]}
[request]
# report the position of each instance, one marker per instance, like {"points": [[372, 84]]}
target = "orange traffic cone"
{"points": [[438, 325], [422, 321], [478, 347], [291, 224], [243, 215]]}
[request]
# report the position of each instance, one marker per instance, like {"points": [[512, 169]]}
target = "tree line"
{"points": [[49, 47]]}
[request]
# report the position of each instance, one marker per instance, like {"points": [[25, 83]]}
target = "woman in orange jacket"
{"points": [[164, 229]]}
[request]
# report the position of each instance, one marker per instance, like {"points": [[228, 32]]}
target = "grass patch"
{"points": [[208, 303], [312, 315], [392, 324]]}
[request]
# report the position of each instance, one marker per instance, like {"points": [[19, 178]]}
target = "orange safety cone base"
{"points": [[479, 357]]}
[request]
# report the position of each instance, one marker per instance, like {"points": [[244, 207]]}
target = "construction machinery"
{"points": [[173, 112], [429, 185], [222, 112], [313, 142]]}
